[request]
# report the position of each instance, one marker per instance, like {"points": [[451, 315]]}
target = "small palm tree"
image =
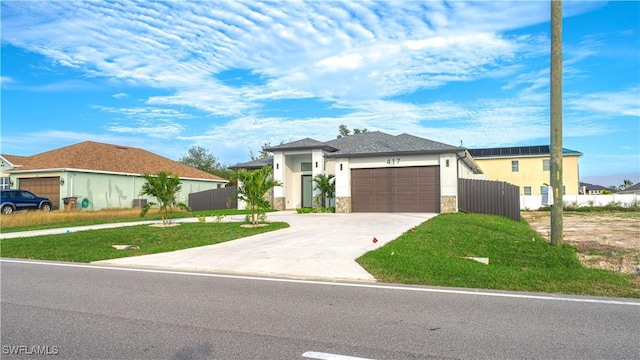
{"points": [[327, 186], [252, 185], [164, 187]]}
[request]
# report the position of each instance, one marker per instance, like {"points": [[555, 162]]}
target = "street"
{"points": [[79, 311]]}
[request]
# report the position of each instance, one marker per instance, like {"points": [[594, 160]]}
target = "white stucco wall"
{"points": [[448, 175], [343, 177], [279, 169]]}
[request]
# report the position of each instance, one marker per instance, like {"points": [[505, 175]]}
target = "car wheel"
{"points": [[7, 209], [45, 207]]}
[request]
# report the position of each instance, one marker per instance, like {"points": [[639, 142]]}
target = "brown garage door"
{"points": [[48, 187], [406, 189]]}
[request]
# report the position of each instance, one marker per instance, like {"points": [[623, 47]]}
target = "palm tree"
{"points": [[164, 187], [626, 184], [327, 186], [252, 185]]}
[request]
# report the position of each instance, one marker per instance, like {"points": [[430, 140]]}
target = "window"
{"points": [[305, 166], [546, 165], [4, 183], [527, 190], [515, 167]]}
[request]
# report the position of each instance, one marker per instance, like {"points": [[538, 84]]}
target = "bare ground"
{"points": [[604, 240]]}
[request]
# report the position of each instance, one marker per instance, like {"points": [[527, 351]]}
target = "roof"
{"points": [[631, 189], [592, 187], [306, 143], [369, 143], [100, 157], [254, 164], [378, 143], [518, 151], [15, 160]]}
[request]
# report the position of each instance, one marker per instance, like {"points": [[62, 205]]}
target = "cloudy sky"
{"points": [[231, 75]]}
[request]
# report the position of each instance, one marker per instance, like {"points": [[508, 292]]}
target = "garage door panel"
{"points": [[410, 189], [48, 187]]}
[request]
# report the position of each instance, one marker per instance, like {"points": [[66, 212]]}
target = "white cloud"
{"points": [[624, 102]]}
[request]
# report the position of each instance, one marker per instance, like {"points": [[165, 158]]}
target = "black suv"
{"points": [[13, 200]]}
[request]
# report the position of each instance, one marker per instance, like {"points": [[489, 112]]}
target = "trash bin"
{"points": [[70, 203]]}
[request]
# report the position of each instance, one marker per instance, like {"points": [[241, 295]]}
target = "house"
{"points": [[591, 189], [528, 167], [634, 189], [99, 175], [374, 171]]}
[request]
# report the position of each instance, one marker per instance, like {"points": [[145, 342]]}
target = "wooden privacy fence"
{"points": [[214, 199], [489, 197]]}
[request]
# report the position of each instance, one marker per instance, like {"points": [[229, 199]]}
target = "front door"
{"points": [[307, 191]]}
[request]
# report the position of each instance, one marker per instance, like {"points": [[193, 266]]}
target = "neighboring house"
{"points": [[8, 162], [100, 175], [635, 189], [374, 171], [591, 189], [528, 167]]}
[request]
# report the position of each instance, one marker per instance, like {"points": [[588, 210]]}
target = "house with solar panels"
{"points": [[528, 167]]}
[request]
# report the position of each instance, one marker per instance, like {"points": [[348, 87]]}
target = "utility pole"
{"points": [[556, 121]]}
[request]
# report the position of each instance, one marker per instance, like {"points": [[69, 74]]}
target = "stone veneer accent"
{"points": [[343, 205], [448, 204], [278, 203]]}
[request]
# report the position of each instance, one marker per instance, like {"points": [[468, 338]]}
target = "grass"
{"points": [[36, 220], [433, 255], [93, 245]]}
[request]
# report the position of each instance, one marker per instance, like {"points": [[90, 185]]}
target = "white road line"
{"points": [[318, 282], [327, 356]]}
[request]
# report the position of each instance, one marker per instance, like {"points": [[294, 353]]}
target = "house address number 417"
{"points": [[393, 161]]}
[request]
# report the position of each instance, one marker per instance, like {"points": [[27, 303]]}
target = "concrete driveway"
{"points": [[318, 246]]}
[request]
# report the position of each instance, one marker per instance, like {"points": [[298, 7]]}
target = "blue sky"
{"points": [[230, 75]]}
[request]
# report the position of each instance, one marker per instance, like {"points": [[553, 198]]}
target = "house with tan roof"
{"points": [[98, 175]]}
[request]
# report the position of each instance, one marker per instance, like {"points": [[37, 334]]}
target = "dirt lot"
{"points": [[604, 240]]}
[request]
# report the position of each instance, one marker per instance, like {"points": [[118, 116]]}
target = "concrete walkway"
{"points": [[316, 246]]}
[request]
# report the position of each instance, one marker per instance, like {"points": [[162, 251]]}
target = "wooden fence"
{"points": [[215, 199], [489, 197]]}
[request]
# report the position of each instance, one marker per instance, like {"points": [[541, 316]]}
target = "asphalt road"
{"points": [[76, 311]]}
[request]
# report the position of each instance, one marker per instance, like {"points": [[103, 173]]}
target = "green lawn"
{"points": [[93, 245], [433, 255]]}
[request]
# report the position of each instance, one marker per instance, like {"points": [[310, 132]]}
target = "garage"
{"points": [[397, 189], [48, 187]]}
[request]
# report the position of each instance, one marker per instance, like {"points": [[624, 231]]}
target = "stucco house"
{"points": [[528, 167], [374, 171], [99, 175]]}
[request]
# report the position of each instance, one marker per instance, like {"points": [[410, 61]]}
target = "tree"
{"points": [[263, 154], [344, 131], [252, 185], [626, 184], [164, 187], [327, 186], [199, 158]]}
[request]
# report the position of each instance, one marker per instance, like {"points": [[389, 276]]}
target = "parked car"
{"points": [[16, 199]]}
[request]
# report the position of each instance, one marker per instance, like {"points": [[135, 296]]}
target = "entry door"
{"points": [[307, 191]]}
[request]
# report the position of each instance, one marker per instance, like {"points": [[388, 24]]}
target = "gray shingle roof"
{"points": [[254, 164], [306, 143], [372, 143]]}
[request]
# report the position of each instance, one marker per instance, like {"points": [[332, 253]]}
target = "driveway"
{"points": [[318, 246]]}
